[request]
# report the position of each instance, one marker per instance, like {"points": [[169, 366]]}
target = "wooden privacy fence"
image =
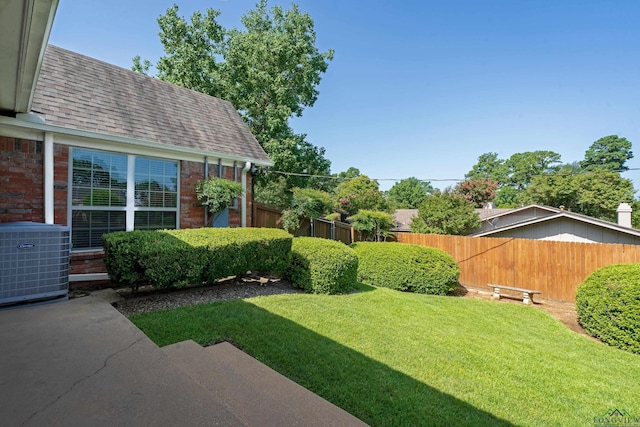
{"points": [[555, 268], [269, 217]]}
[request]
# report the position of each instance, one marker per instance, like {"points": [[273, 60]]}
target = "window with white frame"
{"points": [[116, 192]]}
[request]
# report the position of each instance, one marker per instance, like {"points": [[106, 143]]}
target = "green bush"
{"points": [[403, 267], [322, 266], [176, 258], [608, 305]]}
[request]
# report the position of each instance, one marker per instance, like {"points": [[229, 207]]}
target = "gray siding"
{"points": [[513, 218], [566, 229]]}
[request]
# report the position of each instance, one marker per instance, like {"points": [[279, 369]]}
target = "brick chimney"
{"points": [[624, 215]]}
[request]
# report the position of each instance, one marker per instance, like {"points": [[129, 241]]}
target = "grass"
{"points": [[393, 358]]}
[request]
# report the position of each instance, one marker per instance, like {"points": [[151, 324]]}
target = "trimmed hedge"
{"points": [[404, 267], [176, 258], [322, 266], [608, 305]]}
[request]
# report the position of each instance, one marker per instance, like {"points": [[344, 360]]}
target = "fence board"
{"points": [[555, 268], [270, 217]]}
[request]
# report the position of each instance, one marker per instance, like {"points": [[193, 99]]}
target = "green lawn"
{"points": [[393, 358]]}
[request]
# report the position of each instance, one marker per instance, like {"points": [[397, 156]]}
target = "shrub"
{"points": [[233, 251], [322, 266], [176, 258], [608, 305], [405, 267]]}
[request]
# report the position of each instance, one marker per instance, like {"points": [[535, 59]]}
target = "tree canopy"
{"points": [[608, 153], [445, 213], [409, 193], [596, 194], [358, 193], [269, 71], [477, 191], [489, 166]]}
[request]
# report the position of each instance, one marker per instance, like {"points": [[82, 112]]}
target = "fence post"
{"points": [[312, 227], [333, 230]]}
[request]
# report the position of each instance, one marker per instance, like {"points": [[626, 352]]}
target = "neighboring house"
{"points": [[100, 148], [548, 223], [545, 223], [403, 219]]}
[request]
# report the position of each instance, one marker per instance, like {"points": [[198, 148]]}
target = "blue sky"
{"points": [[422, 88]]}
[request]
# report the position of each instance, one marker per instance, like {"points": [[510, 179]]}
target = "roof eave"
{"points": [[43, 127], [26, 28], [562, 214]]}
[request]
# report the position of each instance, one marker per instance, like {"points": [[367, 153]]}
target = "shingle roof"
{"points": [[404, 218], [82, 93]]}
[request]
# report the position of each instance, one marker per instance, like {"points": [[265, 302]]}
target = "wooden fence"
{"points": [[269, 217], [555, 268]]}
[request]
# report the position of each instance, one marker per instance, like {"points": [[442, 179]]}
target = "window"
{"points": [[115, 192]]}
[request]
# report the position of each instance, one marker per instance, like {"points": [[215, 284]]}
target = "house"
{"points": [[403, 218], [548, 223], [100, 148]]}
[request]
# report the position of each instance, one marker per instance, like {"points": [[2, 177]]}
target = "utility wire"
{"points": [[434, 179]]}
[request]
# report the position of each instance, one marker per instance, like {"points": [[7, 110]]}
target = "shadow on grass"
{"points": [[370, 390]]}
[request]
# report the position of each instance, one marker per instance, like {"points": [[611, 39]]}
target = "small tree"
{"points": [[306, 202], [445, 213], [477, 191], [372, 225], [216, 194], [358, 193]]}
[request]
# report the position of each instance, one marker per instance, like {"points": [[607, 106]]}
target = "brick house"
{"points": [[100, 148]]}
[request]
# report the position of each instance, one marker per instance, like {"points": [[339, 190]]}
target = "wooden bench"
{"points": [[527, 294]]}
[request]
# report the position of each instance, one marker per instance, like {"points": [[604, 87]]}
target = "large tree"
{"points": [[269, 71], [489, 166], [608, 153], [445, 213], [596, 194], [522, 167], [409, 193]]}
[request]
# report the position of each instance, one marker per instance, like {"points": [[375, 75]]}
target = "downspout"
{"points": [[243, 178], [48, 178], [206, 176]]}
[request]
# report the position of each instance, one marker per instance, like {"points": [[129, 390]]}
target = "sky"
{"points": [[422, 88]]}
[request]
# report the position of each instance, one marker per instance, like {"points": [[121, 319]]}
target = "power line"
{"points": [[558, 173]]}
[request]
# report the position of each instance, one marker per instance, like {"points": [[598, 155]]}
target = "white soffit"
{"points": [[26, 25]]}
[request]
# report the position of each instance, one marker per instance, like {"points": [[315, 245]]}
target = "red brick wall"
{"points": [[60, 183], [21, 180], [191, 213], [87, 262]]}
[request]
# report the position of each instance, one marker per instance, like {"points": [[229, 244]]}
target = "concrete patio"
{"points": [[82, 363]]}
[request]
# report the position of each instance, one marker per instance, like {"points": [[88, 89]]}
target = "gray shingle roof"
{"points": [[403, 219], [82, 93]]}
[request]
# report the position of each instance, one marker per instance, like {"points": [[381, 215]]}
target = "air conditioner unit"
{"points": [[34, 262]]}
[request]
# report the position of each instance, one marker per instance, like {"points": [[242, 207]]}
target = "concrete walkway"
{"points": [[81, 363]]}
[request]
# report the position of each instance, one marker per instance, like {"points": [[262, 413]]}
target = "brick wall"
{"points": [[191, 213], [21, 180], [60, 183]]}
